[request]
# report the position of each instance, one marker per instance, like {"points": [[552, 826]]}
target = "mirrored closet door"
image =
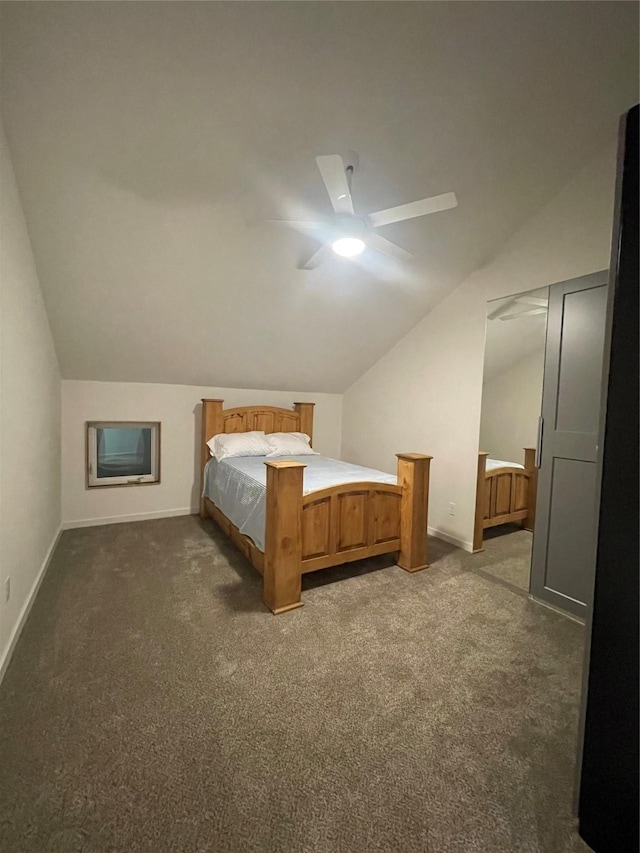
{"points": [[511, 406]]}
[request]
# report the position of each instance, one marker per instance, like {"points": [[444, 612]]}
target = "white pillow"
{"points": [[289, 444], [226, 445]]}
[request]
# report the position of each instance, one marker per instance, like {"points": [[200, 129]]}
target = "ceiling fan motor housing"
{"points": [[348, 225]]}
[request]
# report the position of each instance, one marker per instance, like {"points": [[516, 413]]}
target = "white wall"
{"points": [[29, 418], [178, 409], [511, 404], [424, 395]]}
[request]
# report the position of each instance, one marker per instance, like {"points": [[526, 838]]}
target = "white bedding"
{"points": [[498, 463], [238, 486]]}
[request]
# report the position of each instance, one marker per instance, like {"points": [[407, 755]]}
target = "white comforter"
{"points": [[238, 486], [498, 463]]}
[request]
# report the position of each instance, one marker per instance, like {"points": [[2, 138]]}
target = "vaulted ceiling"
{"points": [[152, 140]]}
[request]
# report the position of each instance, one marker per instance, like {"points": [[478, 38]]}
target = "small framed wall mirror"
{"points": [[122, 453]]}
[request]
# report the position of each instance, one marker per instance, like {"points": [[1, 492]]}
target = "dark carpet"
{"points": [[506, 556], [154, 705]]}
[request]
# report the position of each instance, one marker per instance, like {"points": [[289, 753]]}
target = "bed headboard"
{"points": [[215, 420]]}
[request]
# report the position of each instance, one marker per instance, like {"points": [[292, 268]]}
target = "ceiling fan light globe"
{"points": [[348, 247]]}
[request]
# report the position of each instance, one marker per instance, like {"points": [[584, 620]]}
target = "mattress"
{"points": [[238, 486], [499, 463]]}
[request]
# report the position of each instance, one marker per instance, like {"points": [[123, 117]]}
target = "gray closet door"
{"points": [[563, 559]]}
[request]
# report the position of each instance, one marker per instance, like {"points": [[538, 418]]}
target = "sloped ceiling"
{"points": [[151, 140]]}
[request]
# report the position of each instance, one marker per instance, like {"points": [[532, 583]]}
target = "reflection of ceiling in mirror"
{"points": [[523, 333]]}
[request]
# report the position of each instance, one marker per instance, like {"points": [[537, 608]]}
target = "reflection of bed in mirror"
{"points": [[505, 493]]}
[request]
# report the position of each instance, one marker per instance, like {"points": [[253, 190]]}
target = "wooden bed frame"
{"points": [[327, 527], [505, 495]]}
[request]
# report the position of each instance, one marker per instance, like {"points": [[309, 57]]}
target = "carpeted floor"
{"points": [[154, 706], [506, 556]]}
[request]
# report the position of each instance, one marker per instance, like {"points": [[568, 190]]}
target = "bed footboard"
{"points": [[349, 522], [503, 495], [340, 524]]}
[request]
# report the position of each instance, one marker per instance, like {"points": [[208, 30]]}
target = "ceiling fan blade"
{"points": [[413, 209], [533, 300], [314, 261], [528, 313], [335, 180], [501, 309], [386, 247]]}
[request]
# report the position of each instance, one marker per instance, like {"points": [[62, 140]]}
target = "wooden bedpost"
{"points": [[413, 479], [530, 467], [480, 502], [282, 579], [305, 410], [211, 425]]}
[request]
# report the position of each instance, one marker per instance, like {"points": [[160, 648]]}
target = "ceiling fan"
{"points": [[520, 306], [348, 234]]}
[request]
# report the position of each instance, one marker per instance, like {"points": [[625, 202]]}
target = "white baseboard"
{"points": [[452, 540], [170, 513], [122, 519], [26, 607]]}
